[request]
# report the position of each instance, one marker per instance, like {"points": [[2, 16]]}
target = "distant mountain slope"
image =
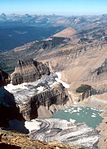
{"points": [[30, 50], [16, 30], [67, 33]]}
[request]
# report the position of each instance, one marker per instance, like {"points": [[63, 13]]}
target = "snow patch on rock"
{"points": [[32, 125], [60, 81]]}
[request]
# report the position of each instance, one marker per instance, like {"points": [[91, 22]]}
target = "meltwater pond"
{"points": [[87, 115]]}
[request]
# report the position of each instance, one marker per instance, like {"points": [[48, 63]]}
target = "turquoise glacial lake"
{"points": [[87, 115]]}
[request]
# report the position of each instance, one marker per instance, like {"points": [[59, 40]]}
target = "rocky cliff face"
{"points": [[101, 69], [8, 107], [45, 93], [4, 78], [36, 91], [28, 71], [50, 43]]}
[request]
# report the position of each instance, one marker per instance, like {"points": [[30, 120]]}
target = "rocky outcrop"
{"points": [[4, 78], [47, 98], [28, 71], [36, 91], [45, 92], [38, 88], [101, 69], [8, 107], [50, 43], [11, 140]]}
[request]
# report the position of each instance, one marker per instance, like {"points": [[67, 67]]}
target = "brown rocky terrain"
{"points": [[103, 131], [85, 62], [13, 140], [66, 33]]}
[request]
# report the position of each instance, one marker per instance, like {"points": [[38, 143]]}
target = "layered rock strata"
{"points": [[28, 71]]}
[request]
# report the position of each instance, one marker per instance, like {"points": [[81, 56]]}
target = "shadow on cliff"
{"points": [[9, 112]]}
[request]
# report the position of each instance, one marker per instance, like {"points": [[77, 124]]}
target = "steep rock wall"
{"points": [[8, 109], [28, 71], [53, 96]]}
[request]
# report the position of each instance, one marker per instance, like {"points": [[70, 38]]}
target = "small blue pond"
{"points": [[87, 115]]}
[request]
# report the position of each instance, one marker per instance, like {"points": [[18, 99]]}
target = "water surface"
{"points": [[87, 115]]}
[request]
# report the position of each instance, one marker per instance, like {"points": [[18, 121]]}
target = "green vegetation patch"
{"points": [[83, 88]]}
